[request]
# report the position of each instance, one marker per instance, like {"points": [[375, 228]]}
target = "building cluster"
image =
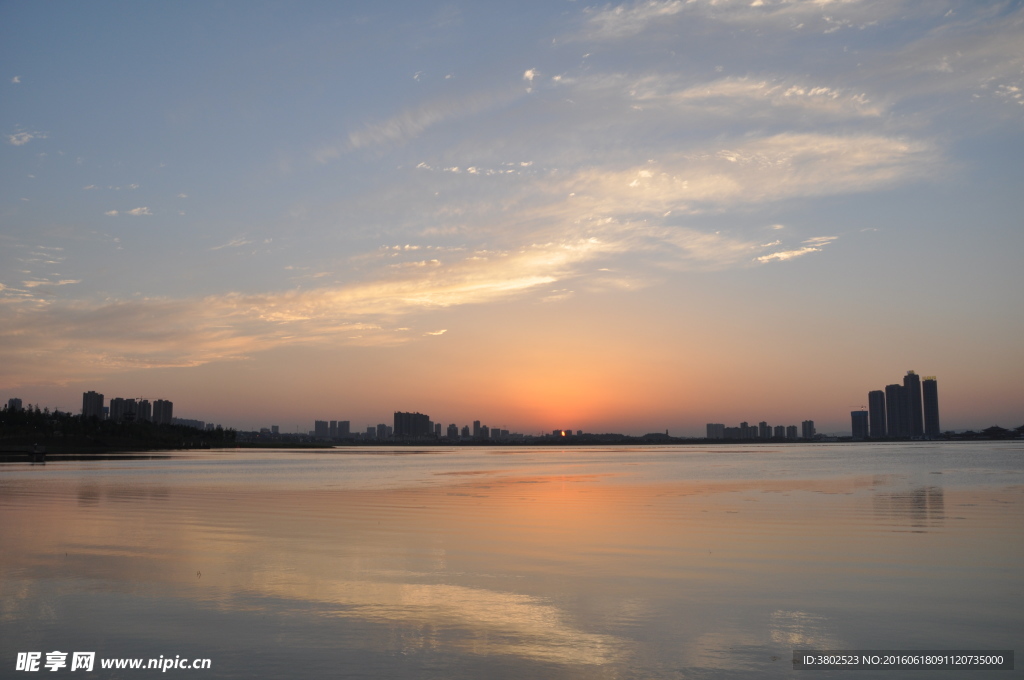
{"points": [[127, 410], [405, 426], [907, 411], [124, 410], [761, 432]]}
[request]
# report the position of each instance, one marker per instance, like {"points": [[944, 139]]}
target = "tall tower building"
{"points": [[876, 414], [912, 383], [807, 429], [92, 405], [931, 406], [897, 411], [859, 424]]}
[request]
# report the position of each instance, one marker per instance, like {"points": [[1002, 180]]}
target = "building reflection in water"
{"points": [[923, 507]]}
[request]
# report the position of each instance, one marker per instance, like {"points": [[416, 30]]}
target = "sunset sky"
{"points": [[611, 217]]}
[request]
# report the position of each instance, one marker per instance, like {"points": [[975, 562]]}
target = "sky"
{"points": [[630, 217]]}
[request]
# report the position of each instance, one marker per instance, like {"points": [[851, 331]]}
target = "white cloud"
{"points": [[140, 211], [440, 332], [750, 96], [529, 75], [21, 138], [16, 79], [782, 256], [624, 21], [182, 195], [111, 213], [233, 243]]}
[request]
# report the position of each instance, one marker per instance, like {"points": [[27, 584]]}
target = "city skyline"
{"points": [[623, 217]]}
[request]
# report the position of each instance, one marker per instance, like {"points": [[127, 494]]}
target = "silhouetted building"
{"points": [[716, 431], [791, 432], [764, 431], [143, 410], [14, 404], [897, 411], [876, 414], [343, 429], [859, 423], [92, 404], [912, 383], [476, 429], [931, 406], [453, 432], [122, 410], [275, 429], [779, 432], [321, 429], [332, 430], [437, 430], [807, 429], [412, 425], [465, 431], [163, 412]]}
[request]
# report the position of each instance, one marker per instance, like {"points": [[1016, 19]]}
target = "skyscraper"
{"points": [[897, 411], [859, 423], [931, 406], [92, 405], [912, 383], [807, 429], [876, 413]]}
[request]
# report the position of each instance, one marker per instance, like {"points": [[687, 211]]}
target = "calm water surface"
{"points": [[672, 562]]}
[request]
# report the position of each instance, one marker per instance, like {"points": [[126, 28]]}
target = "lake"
{"points": [[515, 562]]}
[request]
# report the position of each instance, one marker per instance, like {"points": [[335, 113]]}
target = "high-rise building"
{"points": [[453, 432], [912, 383], [14, 404], [412, 425], [143, 410], [465, 431], [321, 429], [122, 409], [476, 429], [332, 429], [763, 430], [859, 423], [897, 411], [876, 414], [779, 432], [163, 412], [931, 406], [92, 404], [437, 430], [716, 431], [791, 432], [343, 429], [807, 429]]}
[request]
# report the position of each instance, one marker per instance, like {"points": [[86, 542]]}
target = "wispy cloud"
{"points": [[153, 332], [233, 243], [413, 122], [16, 79], [139, 211], [626, 20]]}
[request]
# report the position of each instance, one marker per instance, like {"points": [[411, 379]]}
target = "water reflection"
{"points": [[923, 507], [557, 569]]}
